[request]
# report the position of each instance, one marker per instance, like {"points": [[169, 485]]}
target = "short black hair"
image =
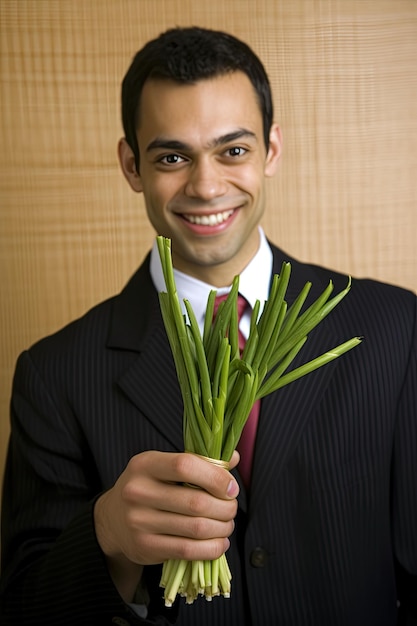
{"points": [[187, 55]]}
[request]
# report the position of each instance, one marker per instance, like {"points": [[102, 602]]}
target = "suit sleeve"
{"points": [[53, 571], [404, 490]]}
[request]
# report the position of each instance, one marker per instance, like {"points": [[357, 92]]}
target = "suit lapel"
{"points": [[286, 413], [150, 382], [284, 417]]}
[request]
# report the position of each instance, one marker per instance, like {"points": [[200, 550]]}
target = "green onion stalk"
{"points": [[219, 385]]}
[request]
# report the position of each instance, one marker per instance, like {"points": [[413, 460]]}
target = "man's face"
{"points": [[203, 164]]}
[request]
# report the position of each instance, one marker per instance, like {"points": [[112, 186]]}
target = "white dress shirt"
{"points": [[254, 282]]}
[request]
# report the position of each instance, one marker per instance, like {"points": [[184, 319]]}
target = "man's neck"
{"points": [[254, 281]]}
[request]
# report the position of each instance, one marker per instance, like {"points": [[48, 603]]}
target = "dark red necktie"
{"points": [[246, 445]]}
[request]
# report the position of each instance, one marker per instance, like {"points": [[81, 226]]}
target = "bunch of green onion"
{"points": [[219, 385]]}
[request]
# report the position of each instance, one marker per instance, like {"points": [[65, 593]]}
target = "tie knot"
{"points": [[242, 304]]}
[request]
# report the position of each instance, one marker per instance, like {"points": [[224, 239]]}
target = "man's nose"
{"points": [[205, 181]]}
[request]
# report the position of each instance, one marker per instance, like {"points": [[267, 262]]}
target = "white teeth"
{"points": [[209, 220]]}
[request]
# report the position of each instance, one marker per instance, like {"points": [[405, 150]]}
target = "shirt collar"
{"points": [[254, 282]]}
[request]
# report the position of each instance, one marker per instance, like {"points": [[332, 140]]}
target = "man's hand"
{"points": [[149, 515]]}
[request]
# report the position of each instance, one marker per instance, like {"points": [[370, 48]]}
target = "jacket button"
{"points": [[258, 557]]}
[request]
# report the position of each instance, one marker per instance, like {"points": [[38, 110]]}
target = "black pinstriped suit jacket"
{"points": [[329, 536]]}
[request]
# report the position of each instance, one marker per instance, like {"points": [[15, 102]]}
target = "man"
{"points": [[94, 495]]}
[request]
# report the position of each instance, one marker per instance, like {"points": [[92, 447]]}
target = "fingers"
{"points": [[178, 498], [164, 547], [152, 514], [154, 521], [235, 459], [189, 468]]}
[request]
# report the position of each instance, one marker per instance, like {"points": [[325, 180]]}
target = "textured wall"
{"points": [[345, 83]]}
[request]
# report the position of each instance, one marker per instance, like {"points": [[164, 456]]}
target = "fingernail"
{"points": [[232, 489]]}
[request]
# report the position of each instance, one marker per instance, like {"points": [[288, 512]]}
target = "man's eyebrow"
{"points": [[167, 144], [175, 144], [240, 133]]}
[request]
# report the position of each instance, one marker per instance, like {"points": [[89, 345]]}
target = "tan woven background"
{"points": [[344, 74]]}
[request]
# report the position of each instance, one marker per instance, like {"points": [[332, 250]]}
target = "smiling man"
{"points": [[202, 170], [323, 533]]}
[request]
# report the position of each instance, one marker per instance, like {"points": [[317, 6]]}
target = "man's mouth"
{"points": [[214, 219]]}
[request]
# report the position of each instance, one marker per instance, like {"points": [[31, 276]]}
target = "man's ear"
{"points": [[274, 151], [128, 165]]}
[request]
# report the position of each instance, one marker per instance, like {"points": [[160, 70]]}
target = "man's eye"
{"points": [[171, 159], [236, 151]]}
